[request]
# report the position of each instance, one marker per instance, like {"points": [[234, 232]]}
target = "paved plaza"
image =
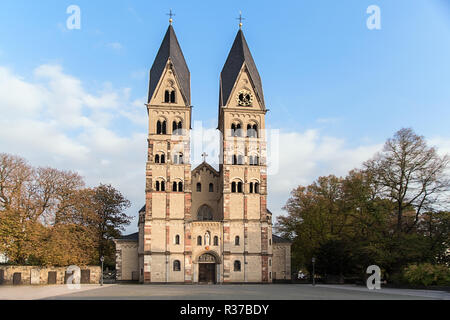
{"points": [[216, 292]]}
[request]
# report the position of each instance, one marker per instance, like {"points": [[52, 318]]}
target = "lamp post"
{"points": [[102, 259], [313, 260]]}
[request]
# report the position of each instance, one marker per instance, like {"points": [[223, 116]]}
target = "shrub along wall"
{"points": [[31, 275]]}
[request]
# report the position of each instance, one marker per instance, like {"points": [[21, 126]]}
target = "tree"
{"points": [[411, 175], [48, 217], [109, 205], [391, 213]]}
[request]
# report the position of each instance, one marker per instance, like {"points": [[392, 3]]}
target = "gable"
{"points": [[168, 81], [244, 83]]}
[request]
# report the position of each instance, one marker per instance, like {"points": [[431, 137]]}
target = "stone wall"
{"points": [[281, 261], [127, 260], [33, 275]]}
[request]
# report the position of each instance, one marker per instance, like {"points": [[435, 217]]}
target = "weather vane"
{"points": [[170, 14], [240, 19]]}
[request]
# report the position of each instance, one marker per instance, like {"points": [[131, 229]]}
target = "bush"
{"points": [[427, 274]]}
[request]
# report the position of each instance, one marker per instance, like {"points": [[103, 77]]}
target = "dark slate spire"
{"points": [[239, 54], [170, 48]]}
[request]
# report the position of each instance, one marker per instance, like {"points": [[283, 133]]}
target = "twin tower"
{"points": [[205, 225]]}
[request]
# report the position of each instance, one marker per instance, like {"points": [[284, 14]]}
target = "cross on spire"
{"points": [[240, 19], [170, 14], [204, 155]]}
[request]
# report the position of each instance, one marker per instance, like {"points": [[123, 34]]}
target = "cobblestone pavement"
{"points": [[248, 292]]}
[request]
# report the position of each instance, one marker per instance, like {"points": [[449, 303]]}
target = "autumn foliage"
{"points": [[49, 217]]}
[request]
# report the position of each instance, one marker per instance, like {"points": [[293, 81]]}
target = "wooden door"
{"points": [[51, 277], [207, 273], [17, 278], [86, 276]]}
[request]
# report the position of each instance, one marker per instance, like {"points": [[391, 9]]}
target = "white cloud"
{"points": [[115, 45], [303, 157], [51, 120]]}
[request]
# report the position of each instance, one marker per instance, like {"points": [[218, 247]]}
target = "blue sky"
{"points": [[329, 82]]}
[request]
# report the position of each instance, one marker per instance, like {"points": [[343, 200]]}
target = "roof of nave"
{"points": [[277, 239], [206, 165], [130, 237]]}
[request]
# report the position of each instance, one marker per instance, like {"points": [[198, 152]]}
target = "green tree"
{"points": [[109, 206], [389, 214]]}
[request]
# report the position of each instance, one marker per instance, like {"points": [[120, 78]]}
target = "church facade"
{"points": [[204, 225]]}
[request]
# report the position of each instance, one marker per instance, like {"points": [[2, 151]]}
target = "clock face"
{"points": [[244, 98]]}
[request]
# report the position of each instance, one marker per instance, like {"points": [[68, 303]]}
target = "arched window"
{"points": [[216, 240], [177, 239], [158, 127], [236, 241], [177, 127], [176, 265], [199, 240], [254, 187], [157, 158], [167, 96], [270, 242], [270, 262], [239, 187], [237, 265], [160, 185], [177, 186], [252, 131], [172, 97], [211, 187], [254, 160], [204, 213], [234, 160], [236, 130], [163, 158], [199, 187], [240, 160], [161, 127]]}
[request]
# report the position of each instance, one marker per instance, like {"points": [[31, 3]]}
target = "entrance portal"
{"points": [[207, 273], [207, 268]]}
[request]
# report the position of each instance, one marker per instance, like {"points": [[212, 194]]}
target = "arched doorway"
{"points": [[207, 268]]}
